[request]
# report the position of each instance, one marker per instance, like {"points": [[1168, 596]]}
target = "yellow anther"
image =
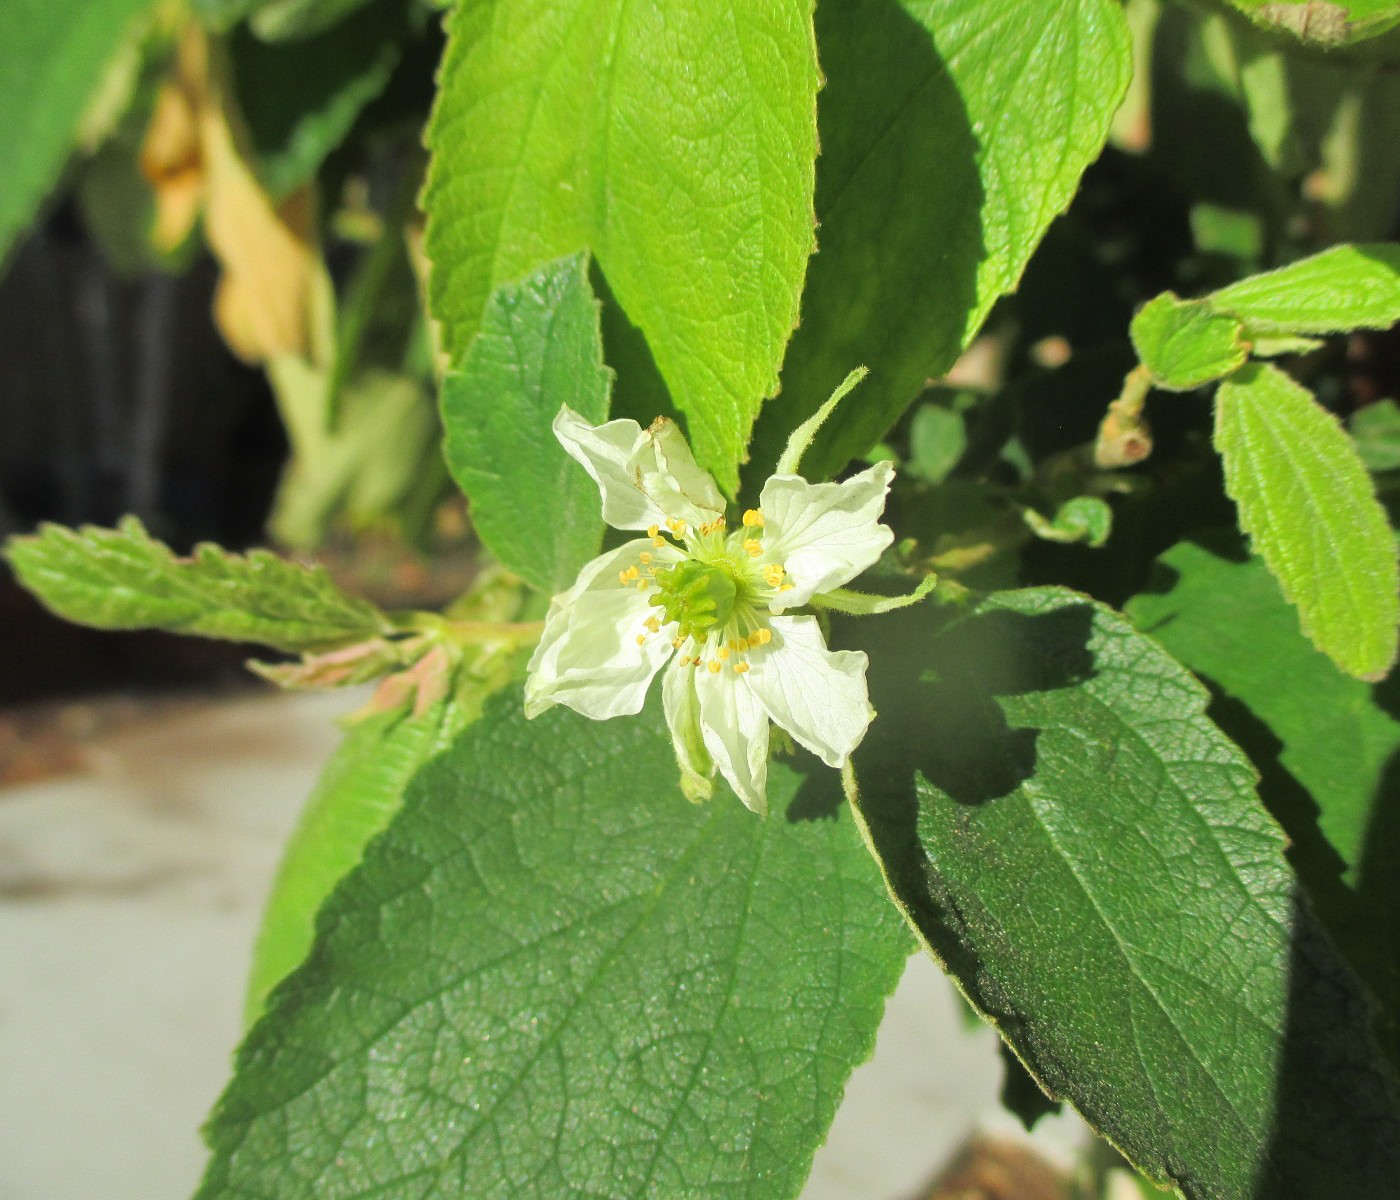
{"points": [[762, 637], [753, 519], [714, 667], [740, 668], [646, 557], [754, 547], [643, 584], [773, 574], [622, 578], [675, 524], [787, 587], [723, 652], [653, 530], [694, 662], [678, 643], [641, 639], [653, 624], [658, 541]]}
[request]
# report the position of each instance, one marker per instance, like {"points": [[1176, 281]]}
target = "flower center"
{"points": [[698, 596]]}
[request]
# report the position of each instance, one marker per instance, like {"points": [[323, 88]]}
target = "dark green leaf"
{"points": [[1084, 850], [539, 348], [50, 65], [1327, 746], [675, 141], [358, 793], [299, 99], [124, 579], [1310, 509], [552, 976], [951, 135], [1187, 343]]}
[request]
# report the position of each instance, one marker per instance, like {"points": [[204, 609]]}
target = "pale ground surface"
{"points": [[129, 897]]}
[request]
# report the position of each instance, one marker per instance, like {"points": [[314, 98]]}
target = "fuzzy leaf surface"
{"points": [[359, 791], [539, 347], [1186, 343], [125, 579], [1085, 852], [674, 141], [1310, 509], [49, 68], [1327, 747], [1347, 287], [952, 134], [553, 976]]}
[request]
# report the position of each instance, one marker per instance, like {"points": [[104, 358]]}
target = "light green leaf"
{"points": [[1086, 519], [951, 135], [1347, 287], [299, 99], [539, 348], [553, 976], [359, 791], [124, 579], [1325, 746], [675, 141], [1186, 343], [1084, 851], [1310, 509], [50, 66]]}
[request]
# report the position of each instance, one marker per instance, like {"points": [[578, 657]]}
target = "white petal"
{"points": [[588, 657], [644, 476], [605, 452], [824, 534], [818, 695], [735, 729], [682, 707], [676, 479]]}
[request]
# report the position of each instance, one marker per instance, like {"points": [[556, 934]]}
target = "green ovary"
{"points": [[698, 596]]}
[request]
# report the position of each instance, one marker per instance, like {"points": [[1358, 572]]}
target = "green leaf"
{"points": [[1323, 23], [1086, 519], [1084, 851], [539, 348], [552, 976], [937, 439], [299, 99], [1347, 287], [50, 66], [1310, 509], [124, 579], [1376, 429], [1327, 749], [279, 20], [951, 135], [358, 793], [676, 142], [1187, 343]]}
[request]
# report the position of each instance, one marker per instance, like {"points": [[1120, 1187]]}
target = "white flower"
{"points": [[711, 600]]}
